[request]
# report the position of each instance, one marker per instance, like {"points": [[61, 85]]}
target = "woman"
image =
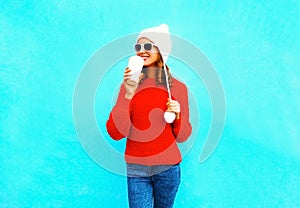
{"points": [[152, 155]]}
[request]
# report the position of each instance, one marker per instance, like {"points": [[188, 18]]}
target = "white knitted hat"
{"points": [[161, 38]]}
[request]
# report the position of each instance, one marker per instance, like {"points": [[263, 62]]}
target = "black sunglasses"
{"points": [[145, 46]]}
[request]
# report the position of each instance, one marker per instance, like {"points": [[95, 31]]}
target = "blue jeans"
{"points": [[158, 190]]}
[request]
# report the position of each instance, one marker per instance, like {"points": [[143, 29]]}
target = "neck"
{"points": [[151, 72]]}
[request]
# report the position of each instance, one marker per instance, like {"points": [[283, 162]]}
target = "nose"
{"points": [[142, 51]]}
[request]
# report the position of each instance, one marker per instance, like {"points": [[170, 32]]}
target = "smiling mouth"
{"points": [[144, 57]]}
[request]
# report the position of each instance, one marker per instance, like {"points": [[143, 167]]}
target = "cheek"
{"points": [[154, 57], [151, 60]]}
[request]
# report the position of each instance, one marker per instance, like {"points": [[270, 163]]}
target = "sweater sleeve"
{"points": [[118, 124], [182, 127]]}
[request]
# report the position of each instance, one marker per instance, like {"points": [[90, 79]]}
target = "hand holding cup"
{"points": [[135, 64], [133, 75], [173, 111]]}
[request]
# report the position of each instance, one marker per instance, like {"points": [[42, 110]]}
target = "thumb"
{"points": [[141, 76]]}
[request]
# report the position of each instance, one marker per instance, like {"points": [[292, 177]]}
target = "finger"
{"points": [[174, 105], [127, 72], [173, 101], [125, 80], [127, 75], [127, 69], [141, 76], [174, 110]]}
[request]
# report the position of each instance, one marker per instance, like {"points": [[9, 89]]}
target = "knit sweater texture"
{"points": [[150, 140]]}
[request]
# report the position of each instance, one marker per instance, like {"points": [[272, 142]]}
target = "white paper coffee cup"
{"points": [[135, 64]]}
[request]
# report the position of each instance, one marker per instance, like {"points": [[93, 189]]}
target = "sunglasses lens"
{"points": [[148, 46], [137, 47]]}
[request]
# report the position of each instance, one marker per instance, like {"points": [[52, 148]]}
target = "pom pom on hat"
{"points": [[161, 38]]}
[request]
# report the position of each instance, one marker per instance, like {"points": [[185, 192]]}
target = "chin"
{"points": [[149, 65], [146, 64]]}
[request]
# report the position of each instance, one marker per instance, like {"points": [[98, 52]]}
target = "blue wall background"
{"points": [[254, 47]]}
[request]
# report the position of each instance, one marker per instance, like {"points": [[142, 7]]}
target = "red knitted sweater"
{"points": [[150, 140]]}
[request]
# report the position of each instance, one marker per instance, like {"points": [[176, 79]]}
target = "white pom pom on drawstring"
{"points": [[169, 116]]}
